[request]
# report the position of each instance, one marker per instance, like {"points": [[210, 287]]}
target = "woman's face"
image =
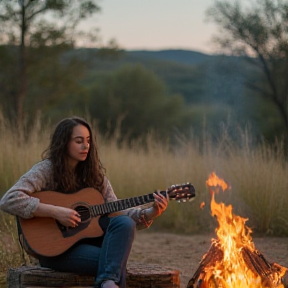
{"points": [[79, 144]]}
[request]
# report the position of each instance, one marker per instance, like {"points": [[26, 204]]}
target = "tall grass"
{"points": [[257, 176]]}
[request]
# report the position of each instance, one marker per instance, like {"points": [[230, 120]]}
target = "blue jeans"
{"points": [[107, 262]]}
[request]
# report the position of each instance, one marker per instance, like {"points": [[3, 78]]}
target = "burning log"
{"points": [[214, 255], [269, 272]]}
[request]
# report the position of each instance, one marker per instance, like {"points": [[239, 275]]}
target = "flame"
{"points": [[214, 181], [232, 236]]}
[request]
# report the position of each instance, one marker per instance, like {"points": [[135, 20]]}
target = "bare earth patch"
{"points": [[184, 253]]}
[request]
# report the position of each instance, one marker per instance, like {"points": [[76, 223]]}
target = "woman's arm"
{"points": [[19, 200]]}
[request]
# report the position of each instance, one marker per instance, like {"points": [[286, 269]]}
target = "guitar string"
{"points": [[120, 204], [132, 202]]}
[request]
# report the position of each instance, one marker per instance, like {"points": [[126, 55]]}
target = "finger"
{"points": [[161, 200], [75, 216], [162, 204], [161, 195], [159, 205], [157, 202], [75, 213], [74, 224], [165, 202], [76, 219], [157, 196]]}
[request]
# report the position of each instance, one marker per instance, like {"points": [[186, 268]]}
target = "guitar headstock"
{"points": [[181, 192]]}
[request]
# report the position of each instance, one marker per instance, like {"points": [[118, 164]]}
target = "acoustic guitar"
{"points": [[47, 237]]}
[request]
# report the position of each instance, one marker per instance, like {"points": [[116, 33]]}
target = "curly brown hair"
{"points": [[88, 173]]}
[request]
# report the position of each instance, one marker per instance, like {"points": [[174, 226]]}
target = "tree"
{"points": [[137, 98], [30, 23], [259, 32]]}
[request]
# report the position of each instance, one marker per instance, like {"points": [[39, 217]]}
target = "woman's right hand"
{"points": [[67, 217]]}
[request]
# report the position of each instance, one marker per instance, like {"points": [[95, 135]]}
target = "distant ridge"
{"points": [[187, 57]]}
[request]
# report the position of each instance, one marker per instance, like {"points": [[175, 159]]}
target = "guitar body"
{"points": [[40, 232]]}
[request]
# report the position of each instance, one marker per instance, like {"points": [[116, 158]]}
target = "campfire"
{"points": [[232, 260]]}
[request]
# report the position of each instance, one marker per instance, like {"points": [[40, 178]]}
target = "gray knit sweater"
{"points": [[19, 200]]}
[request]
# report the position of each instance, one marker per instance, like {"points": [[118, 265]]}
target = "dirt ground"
{"points": [[185, 252]]}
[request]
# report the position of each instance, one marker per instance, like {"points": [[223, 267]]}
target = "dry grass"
{"points": [[257, 175]]}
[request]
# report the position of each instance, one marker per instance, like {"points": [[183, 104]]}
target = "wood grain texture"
{"points": [[139, 275]]}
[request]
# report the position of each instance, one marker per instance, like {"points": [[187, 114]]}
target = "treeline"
{"points": [[166, 92], [135, 94], [130, 98]]}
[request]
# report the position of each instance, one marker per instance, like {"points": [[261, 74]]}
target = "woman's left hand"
{"points": [[160, 203]]}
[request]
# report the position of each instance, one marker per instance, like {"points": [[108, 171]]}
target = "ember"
{"points": [[232, 260]]}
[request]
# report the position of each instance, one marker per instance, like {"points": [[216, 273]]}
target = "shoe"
{"points": [[109, 284]]}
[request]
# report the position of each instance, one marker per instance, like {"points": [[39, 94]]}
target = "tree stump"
{"points": [[139, 275]]}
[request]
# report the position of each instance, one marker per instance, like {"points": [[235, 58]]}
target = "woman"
{"points": [[71, 163]]}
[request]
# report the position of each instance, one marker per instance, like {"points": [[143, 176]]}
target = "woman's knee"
{"points": [[124, 223]]}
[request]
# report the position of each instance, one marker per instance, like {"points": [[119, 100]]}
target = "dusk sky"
{"points": [[157, 24]]}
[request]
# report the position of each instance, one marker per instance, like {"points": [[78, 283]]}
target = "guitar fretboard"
{"points": [[122, 204]]}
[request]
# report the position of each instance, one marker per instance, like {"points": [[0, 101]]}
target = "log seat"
{"points": [[139, 275]]}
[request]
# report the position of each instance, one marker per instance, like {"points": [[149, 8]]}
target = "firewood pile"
{"points": [[271, 274]]}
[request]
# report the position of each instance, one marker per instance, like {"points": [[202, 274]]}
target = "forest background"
{"points": [[43, 70]]}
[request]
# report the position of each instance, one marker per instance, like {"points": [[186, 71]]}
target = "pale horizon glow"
{"points": [[156, 24]]}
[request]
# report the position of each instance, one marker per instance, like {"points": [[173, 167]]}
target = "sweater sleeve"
{"points": [[137, 214], [19, 200]]}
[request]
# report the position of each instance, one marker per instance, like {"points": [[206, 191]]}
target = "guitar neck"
{"points": [[123, 204]]}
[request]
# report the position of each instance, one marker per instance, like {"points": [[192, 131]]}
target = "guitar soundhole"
{"points": [[84, 212], [85, 221]]}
